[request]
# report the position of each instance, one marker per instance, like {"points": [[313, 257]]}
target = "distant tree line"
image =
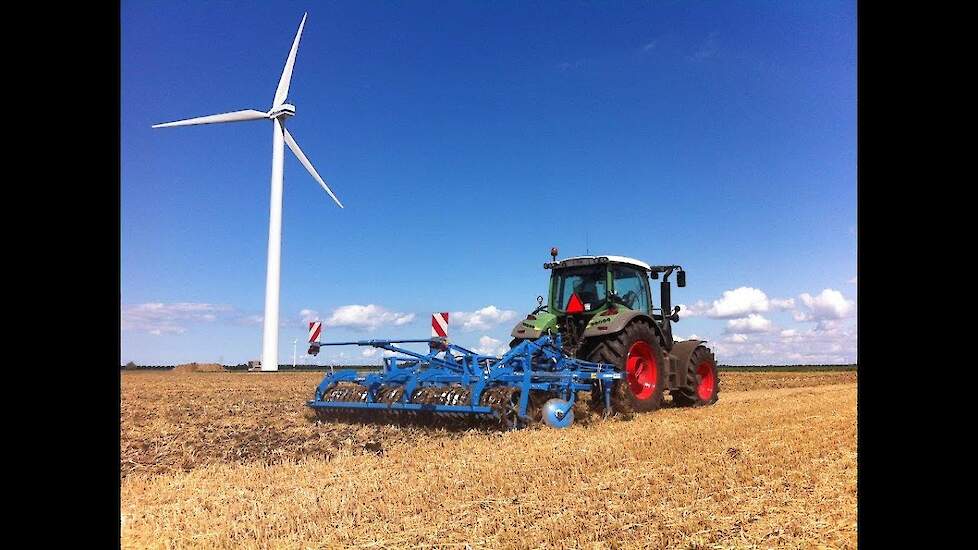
{"points": [[132, 366], [787, 368], [246, 366], [288, 367]]}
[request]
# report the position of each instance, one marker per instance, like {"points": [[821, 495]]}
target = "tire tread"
{"points": [[687, 395], [613, 350]]}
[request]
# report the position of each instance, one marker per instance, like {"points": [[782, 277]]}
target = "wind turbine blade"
{"points": [[237, 116], [283, 84], [305, 162]]}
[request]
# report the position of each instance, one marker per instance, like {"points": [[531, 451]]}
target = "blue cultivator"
{"points": [[534, 381]]}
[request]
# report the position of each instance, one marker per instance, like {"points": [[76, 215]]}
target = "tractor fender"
{"points": [[681, 352], [525, 330], [618, 323]]}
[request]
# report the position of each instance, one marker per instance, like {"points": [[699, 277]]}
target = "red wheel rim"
{"points": [[708, 380], [642, 370]]}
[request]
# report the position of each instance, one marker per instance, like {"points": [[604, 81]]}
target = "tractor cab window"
{"points": [[631, 287], [589, 283]]}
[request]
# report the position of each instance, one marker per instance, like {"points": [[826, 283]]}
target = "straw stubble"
{"points": [[234, 460]]}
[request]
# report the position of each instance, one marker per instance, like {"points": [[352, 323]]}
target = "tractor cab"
{"points": [[589, 285]]}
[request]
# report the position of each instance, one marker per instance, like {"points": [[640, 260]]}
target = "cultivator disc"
{"points": [[436, 402], [347, 393]]}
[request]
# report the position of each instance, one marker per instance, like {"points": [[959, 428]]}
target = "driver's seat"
{"points": [[587, 292], [629, 299]]}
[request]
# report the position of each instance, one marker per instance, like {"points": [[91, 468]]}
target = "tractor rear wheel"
{"points": [[702, 382], [636, 351]]}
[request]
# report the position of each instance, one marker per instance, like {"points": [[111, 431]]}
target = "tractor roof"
{"points": [[615, 259]]}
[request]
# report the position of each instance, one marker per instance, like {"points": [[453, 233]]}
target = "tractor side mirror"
{"points": [[681, 279], [675, 315], [654, 275]]}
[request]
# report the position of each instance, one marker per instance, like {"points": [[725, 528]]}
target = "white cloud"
{"points": [[308, 316], [482, 319], [490, 346], [748, 337], [829, 342], [695, 310], [649, 46], [256, 319], [829, 304], [250, 320], [752, 323], [368, 317], [159, 318], [736, 303], [375, 352]]}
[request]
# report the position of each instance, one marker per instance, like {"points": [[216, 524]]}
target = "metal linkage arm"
{"points": [[377, 343]]}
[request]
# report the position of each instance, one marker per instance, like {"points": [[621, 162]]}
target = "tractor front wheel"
{"points": [[702, 383], [636, 351]]}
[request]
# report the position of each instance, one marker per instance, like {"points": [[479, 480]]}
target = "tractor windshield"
{"points": [[589, 283]]}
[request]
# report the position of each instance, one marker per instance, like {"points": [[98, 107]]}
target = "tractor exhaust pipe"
{"points": [[665, 293]]}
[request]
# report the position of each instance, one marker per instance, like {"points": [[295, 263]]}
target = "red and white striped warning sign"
{"points": [[315, 327], [439, 325]]}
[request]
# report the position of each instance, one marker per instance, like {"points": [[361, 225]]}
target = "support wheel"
{"points": [[702, 382], [636, 351], [558, 413]]}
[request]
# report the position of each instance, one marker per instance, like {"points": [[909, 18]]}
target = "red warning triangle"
{"points": [[574, 305]]}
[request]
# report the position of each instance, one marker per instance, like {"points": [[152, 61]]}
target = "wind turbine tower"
{"points": [[278, 114]]}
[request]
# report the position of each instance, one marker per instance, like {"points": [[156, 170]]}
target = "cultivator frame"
{"points": [[457, 382]]}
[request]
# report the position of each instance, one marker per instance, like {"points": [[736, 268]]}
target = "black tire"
{"points": [[689, 396], [639, 338]]}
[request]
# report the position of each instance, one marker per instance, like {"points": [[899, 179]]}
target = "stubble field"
{"points": [[236, 460]]}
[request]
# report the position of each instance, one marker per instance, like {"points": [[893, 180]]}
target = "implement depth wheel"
{"points": [[636, 351], [702, 383]]}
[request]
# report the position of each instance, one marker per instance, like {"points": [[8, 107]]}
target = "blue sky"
{"points": [[465, 139]]}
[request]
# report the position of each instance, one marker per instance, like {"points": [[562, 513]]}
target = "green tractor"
{"points": [[602, 307]]}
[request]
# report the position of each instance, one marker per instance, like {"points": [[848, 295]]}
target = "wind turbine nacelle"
{"points": [[283, 110]]}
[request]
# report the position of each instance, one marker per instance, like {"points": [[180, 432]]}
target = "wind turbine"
{"points": [[279, 112]]}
